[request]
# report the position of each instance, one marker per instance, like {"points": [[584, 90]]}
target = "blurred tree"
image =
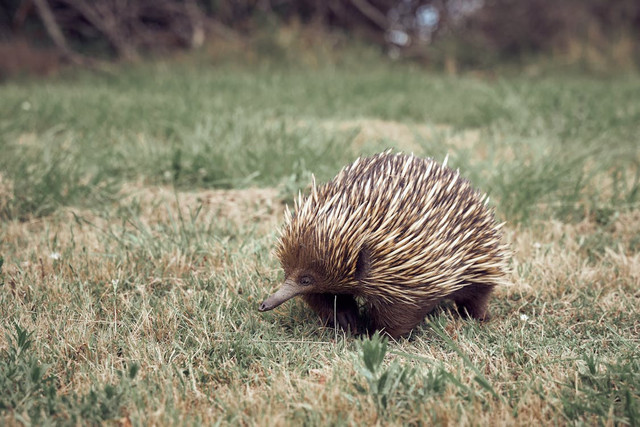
{"points": [[505, 28]]}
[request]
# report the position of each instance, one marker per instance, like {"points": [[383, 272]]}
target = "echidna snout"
{"points": [[288, 290], [399, 233]]}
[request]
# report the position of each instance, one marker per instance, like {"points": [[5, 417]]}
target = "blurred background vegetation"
{"points": [[454, 35]]}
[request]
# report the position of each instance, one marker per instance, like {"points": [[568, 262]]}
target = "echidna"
{"points": [[398, 234]]}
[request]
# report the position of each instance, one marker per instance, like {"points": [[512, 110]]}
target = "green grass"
{"points": [[135, 247], [72, 140]]}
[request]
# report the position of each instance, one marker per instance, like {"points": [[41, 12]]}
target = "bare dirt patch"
{"points": [[19, 57]]}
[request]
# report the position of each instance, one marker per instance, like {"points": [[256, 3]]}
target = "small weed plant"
{"points": [[386, 384]]}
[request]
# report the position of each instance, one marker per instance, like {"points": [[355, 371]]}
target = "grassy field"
{"points": [[139, 214]]}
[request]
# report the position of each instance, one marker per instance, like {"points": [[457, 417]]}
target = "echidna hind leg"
{"points": [[472, 300], [346, 313]]}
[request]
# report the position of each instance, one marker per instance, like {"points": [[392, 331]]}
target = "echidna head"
{"points": [[299, 279], [316, 258], [310, 270]]}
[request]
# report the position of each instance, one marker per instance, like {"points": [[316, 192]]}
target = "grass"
{"points": [[139, 214]]}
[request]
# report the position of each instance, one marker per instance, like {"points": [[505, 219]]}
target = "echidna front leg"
{"points": [[472, 300], [396, 319], [347, 313]]}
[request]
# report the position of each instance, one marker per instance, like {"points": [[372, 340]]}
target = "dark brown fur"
{"points": [[394, 319]]}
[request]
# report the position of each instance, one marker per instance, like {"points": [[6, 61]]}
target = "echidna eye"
{"points": [[305, 280]]}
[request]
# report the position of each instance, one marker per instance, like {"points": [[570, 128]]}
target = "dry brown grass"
{"points": [[6, 192], [552, 269]]}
